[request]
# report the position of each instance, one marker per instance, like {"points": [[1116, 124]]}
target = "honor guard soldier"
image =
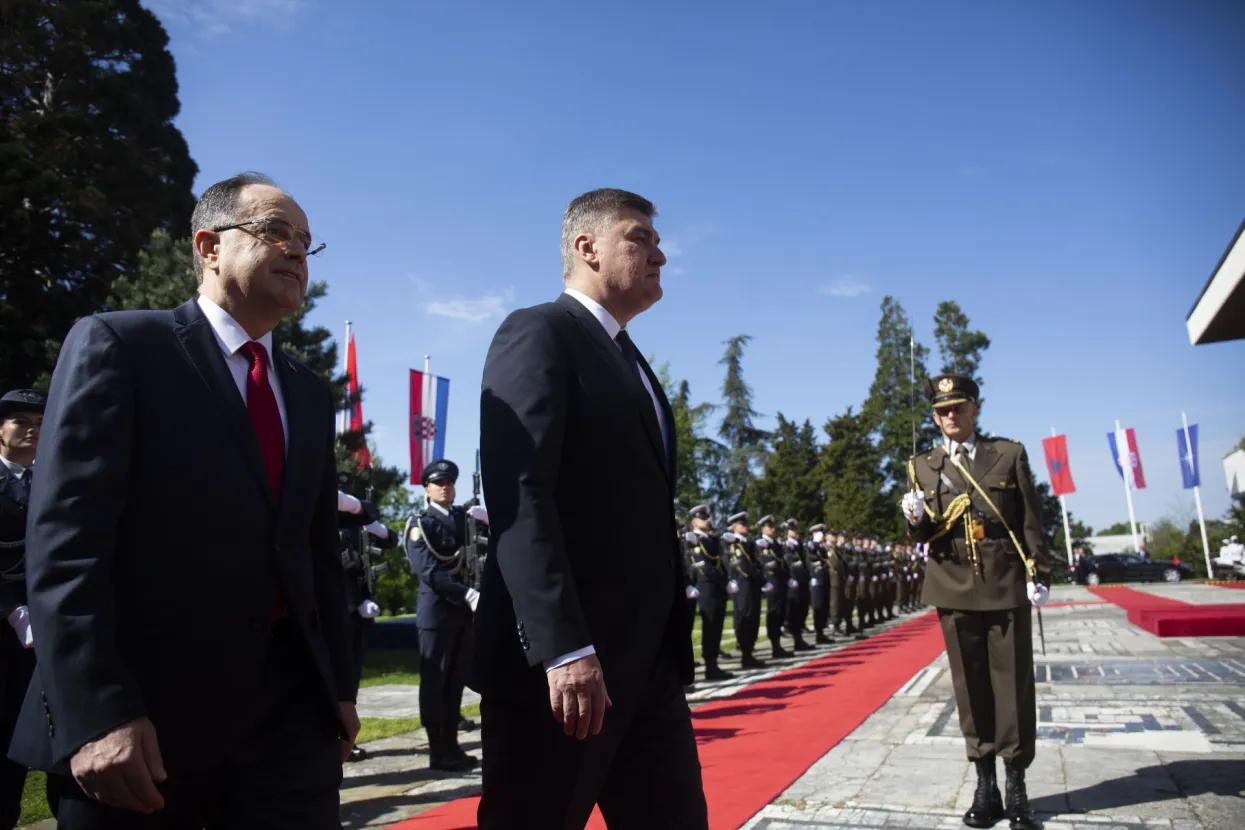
{"points": [[362, 536], [797, 585], [973, 502], [840, 605], [711, 582], [436, 544], [693, 595], [774, 565], [864, 592], [21, 414], [890, 592], [819, 582], [748, 577]]}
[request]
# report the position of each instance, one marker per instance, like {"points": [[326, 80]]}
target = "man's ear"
{"points": [[586, 248], [207, 248]]}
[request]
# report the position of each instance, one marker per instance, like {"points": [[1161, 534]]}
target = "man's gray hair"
{"points": [[592, 213], [219, 206]]}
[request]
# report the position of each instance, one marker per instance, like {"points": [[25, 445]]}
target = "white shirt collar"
{"points": [[229, 334], [969, 444], [607, 321], [14, 467], [439, 507]]}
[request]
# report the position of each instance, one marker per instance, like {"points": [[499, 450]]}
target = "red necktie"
{"points": [[261, 404]]}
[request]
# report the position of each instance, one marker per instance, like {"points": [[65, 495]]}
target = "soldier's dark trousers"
{"points": [[444, 654], [712, 620], [747, 614], [776, 614], [797, 609], [693, 607], [991, 656], [17, 666], [358, 641], [821, 603]]}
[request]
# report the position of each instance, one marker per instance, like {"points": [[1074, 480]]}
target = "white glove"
{"points": [[875, 579], [1038, 594], [762, 542], [851, 579], [792, 584], [692, 593], [370, 610], [479, 512], [347, 503], [792, 544], [913, 506], [691, 538], [818, 536], [729, 537], [473, 598], [814, 582], [768, 587], [20, 620], [732, 587]]}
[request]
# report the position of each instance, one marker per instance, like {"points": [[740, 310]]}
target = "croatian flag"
{"points": [[430, 400], [1188, 457], [356, 408], [1056, 448], [1125, 440]]}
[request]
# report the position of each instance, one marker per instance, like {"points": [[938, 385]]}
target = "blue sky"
{"points": [[1068, 172]]}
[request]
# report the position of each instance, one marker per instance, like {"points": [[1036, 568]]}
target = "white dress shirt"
{"points": [[231, 337], [968, 447]]}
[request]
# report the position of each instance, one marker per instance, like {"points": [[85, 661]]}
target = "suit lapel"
{"points": [[983, 460], [195, 333], [300, 416], [626, 374], [665, 444]]}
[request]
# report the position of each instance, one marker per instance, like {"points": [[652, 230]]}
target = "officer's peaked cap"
{"points": [[949, 390], [816, 528], [700, 511], [766, 521], [22, 400], [440, 469], [738, 518]]}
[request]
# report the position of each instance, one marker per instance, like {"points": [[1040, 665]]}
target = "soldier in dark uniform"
{"points": [[797, 584], [864, 587], [840, 602], [693, 595], [748, 577], [890, 583], [711, 578], [21, 413], [358, 522], [774, 565], [973, 501], [436, 545], [819, 582]]}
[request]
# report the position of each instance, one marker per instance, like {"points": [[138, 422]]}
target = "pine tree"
{"points": [[961, 350], [689, 424], [849, 469], [790, 487], [744, 449], [895, 407], [92, 165]]}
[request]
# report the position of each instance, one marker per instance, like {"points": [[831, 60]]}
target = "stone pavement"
{"points": [[1135, 733]]}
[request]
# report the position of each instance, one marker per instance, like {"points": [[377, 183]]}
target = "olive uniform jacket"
{"points": [[1001, 467]]}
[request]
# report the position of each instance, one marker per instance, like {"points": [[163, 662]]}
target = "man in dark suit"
{"points": [[182, 561], [584, 586]]}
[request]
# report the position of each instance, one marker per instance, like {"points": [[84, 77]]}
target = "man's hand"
{"points": [[577, 696], [350, 717], [122, 768], [19, 619], [913, 506]]}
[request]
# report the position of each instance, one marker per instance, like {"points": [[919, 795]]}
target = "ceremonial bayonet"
{"points": [[1041, 631]]}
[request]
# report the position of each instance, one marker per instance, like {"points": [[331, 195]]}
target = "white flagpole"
{"points": [[1067, 532], [1126, 467], [343, 416], [427, 407], [1197, 496]]}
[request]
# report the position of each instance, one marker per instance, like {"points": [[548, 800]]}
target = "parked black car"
{"points": [[1105, 568]]}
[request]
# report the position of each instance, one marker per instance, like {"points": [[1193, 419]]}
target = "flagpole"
{"points": [[1197, 495], [343, 416], [1126, 467], [1063, 505]]}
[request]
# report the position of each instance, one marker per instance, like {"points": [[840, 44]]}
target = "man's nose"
{"points": [[659, 258]]}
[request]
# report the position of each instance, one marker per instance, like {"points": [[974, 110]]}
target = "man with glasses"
{"points": [[182, 553]]}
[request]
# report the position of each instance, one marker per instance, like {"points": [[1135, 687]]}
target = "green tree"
{"points": [[790, 487], [961, 349], [164, 277], [689, 425], [849, 471], [894, 408], [92, 165], [1052, 525], [744, 445], [1117, 529]]}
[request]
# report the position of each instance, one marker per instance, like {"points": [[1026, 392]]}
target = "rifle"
{"points": [[370, 571], [477, 540]]}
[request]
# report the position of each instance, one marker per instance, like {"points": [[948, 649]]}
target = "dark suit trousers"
{"points": [[17, 666], [443, 657], [643, 769], [284, 775], [358, 641], [991, 656]]}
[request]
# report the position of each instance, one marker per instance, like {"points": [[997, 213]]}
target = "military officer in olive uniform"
{"points": [[21, 413], [436, 546], [819, 581], [711, 579], [973, 501], [770, 554], [864, 589], [748, 578]]}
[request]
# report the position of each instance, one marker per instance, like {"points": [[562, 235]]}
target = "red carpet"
{"points": [[1166, 617], [758, 741]]}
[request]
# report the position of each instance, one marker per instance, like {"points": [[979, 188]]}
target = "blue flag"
{"points": [[1188, 457]]}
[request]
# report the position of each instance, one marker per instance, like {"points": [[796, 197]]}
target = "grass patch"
{"points": [[381, 668], [34, 801], [373, 729]]}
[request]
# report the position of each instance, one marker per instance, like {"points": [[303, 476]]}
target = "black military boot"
{"points": [[778, 652], [712, 672], [822, 639], [357, 753], [750, 662], [803, 645], [890, 613], [987, 809], [1019, 813]]}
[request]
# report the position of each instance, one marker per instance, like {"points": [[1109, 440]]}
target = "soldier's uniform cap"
{"points": [[949, 390], [22, 400], [792, 524], [438, 470], [700, 511], [816, 528], [738, 518], [766, 521]]}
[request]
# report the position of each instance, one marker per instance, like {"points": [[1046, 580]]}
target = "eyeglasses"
{"points": [[276, 231]]}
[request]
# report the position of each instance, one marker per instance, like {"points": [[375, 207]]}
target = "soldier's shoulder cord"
{"points": [[432, 547]]}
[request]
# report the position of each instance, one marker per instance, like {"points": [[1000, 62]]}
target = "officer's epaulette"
{"points": [[998, 439]]}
